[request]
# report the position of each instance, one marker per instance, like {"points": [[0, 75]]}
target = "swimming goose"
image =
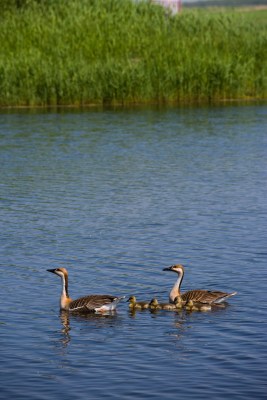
{"points": [[134, 305], [92, 303], [203, 296]]}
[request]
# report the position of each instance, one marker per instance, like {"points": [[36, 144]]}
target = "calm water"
{"points": [[115, 196]]}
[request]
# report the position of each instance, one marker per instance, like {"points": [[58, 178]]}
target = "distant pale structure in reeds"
{"points": [[174, 5]]}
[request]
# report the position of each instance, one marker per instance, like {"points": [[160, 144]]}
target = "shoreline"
{"points": [[137, 105]]}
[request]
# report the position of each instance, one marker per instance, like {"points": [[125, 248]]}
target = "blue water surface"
{"points": [[115, 196]]}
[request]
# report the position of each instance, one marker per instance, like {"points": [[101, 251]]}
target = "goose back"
{"points": [[206, 296], [94, 303]]}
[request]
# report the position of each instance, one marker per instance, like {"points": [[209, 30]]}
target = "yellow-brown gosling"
{"points": [[179, 303], [176, 305], [197, 306], [154, 304], [92, 303], [203, 306], [134, 305], [189, 306], [204, 296], [167, 306]]}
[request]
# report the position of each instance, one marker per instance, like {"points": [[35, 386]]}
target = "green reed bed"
{"points": [[119, 52]]}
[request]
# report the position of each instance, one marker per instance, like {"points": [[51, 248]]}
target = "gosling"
{"points": [[168, 306], [179, 303], [134, 305], [197, 306], [154, 304]]}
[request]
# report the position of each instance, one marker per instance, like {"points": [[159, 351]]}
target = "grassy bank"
{"points": [[117, 51]]}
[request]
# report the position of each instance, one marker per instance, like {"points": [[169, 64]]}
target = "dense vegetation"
{"points": [[120, 51]]}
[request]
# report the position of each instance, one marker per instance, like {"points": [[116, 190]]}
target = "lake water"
{"points": [[115, 196]]}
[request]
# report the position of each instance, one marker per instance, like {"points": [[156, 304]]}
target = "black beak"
{"points": [[167, 269], [51, 270]]}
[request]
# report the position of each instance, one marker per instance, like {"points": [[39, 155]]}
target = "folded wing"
{"points": [[93, 303], [206, 296]]}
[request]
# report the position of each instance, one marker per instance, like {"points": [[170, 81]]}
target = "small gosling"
{"points": [[154, 304], [176, 305], [179, 303], [203, 306], [167, 306], [134, 305], [197, 306], [189, 306]]}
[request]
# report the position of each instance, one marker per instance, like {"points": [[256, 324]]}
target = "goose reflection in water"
{"points": [[65, 320], [93, 320]]}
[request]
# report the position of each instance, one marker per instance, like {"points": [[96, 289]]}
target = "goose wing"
{"points": [[91, 303], [206, 296]]}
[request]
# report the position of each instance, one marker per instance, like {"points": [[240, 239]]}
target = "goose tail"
{"points": [[222, 299], [110, 306]]}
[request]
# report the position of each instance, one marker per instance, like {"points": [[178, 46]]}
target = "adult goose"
{"points": [[92, 303], [199, 295]]}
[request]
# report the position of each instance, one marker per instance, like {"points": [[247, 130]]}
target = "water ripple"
{"points": [[115, 196]]}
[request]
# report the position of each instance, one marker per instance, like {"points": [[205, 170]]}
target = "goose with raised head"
{"points": [[140, 305], [91, 303], [203, 296]]}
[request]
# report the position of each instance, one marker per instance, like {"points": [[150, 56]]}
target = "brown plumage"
{"points": [[199, 295], [92, 303]]}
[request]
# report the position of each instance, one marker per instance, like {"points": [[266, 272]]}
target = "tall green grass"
{"points": [[120, 51]]}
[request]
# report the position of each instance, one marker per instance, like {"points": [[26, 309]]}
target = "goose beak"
{"points": [[167, 269]]}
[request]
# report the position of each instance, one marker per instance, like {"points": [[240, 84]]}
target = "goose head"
{"points": [[62, 272], [178, 268]]}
